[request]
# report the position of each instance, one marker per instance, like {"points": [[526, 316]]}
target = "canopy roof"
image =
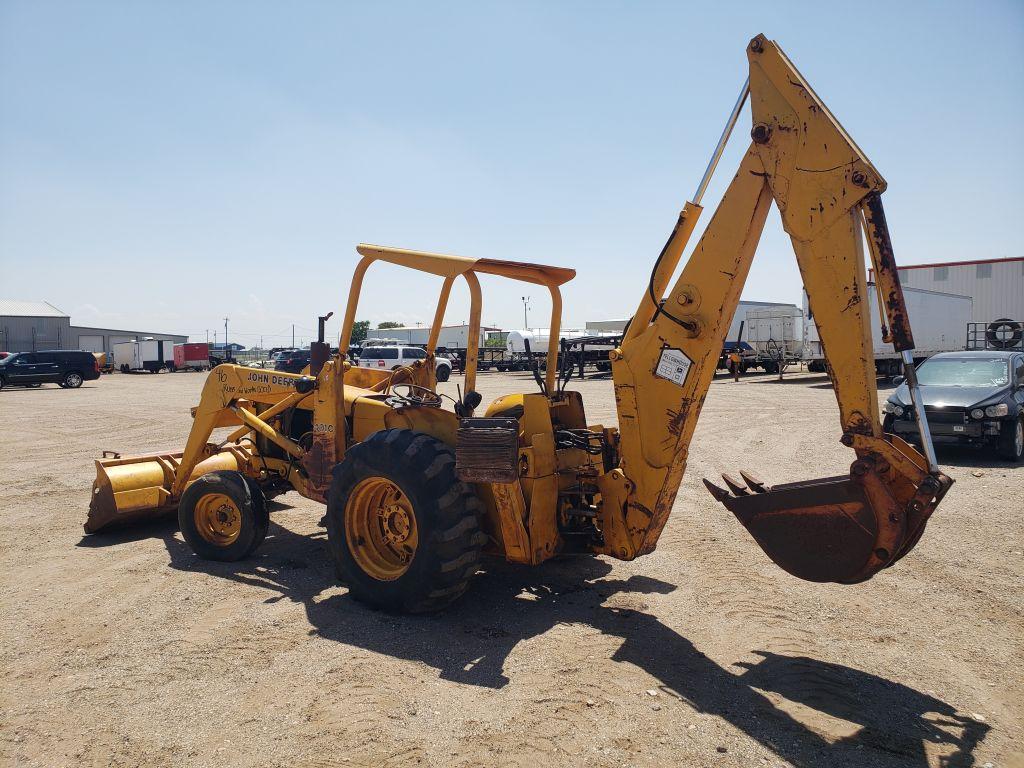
{"points": [[446, 265]]}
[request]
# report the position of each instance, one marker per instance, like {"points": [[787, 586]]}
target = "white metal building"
{"points": [[451, 336], [103, 339], [28, 326], [995, 285]]}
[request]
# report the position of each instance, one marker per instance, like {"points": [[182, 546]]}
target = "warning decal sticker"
{"points": [[673, 365]]}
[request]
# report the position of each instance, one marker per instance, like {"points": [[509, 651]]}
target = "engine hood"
{"points": [[954, 397]]}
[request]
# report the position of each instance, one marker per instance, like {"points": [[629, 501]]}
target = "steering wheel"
{"points": [[415, 395], [399, 375]]}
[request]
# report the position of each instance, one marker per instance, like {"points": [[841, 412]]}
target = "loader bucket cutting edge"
{"points": [[135, 489], [820, 530]]}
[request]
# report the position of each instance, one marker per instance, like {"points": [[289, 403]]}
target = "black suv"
{"points": [[293, 362], [67, 368], [970, 398]]}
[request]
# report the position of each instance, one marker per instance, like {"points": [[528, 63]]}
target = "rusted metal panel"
{"points": [[487, 450], [319, 462]]}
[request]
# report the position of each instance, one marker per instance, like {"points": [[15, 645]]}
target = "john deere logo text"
{"points": [[266, 378]]}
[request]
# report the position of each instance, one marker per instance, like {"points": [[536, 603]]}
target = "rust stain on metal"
{"points": [[878, 231], [318, 463], [676, 419]]}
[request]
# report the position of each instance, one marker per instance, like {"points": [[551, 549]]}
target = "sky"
{"points": [[164, 165]]}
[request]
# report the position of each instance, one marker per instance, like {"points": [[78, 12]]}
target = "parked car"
{"points": [[395, 357], [292, 362], [970, 398], [66, 368]]}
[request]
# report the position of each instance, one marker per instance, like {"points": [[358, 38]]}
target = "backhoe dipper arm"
{"points": [[838, 529]]}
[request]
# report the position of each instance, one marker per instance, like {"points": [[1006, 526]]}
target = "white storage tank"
{"points": [[538, 338]]}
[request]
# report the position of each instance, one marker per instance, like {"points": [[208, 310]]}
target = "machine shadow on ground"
{"points": [[470, 642]]}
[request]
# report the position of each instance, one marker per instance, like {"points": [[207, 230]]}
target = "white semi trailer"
{"points": [[939, 322]]}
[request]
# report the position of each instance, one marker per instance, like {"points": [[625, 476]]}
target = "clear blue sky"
{"points": [[163, 165]]}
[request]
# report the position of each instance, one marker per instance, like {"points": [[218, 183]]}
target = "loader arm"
{"points": [[841, 529]]}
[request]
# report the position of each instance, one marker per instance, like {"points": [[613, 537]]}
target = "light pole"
{"points": [[227, 352], [526, 304]]}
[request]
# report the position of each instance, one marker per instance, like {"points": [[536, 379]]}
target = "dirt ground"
{"points": [[126, 650]]}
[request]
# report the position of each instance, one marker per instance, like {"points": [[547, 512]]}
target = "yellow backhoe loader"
{"points": [[416, 491]]}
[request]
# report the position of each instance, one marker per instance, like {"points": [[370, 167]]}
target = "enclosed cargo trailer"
{"points": [[151, 355], [195, 357]]}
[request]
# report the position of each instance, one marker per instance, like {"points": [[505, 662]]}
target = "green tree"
{"points": [[359, 329], [389, 324]]}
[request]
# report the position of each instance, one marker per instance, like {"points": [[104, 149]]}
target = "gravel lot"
{"points": [[128, 651]]}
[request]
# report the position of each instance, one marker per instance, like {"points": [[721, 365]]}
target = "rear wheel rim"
{"points": [[218, 519], [380, 528], [74, 379]]}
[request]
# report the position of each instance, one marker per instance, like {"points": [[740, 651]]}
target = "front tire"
{"points": [[443, 373], [223, 516], [404, 531], [1011, 441]]}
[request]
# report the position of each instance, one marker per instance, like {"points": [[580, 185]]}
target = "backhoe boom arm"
{"points": [[839, 529]]}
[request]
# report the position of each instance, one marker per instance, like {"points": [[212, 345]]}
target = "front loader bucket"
{"points": [[836, 529], [129, 490]]}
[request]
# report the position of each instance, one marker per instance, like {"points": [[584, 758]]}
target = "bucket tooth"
{"points": [[754, 482], [738, 488], [720, 494]]}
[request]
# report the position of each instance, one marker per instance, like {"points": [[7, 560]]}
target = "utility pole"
{"points": [[526, 322], [207, 337], [293, 335], [227, 352]]}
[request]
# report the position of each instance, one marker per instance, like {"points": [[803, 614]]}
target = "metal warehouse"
{"points": [[995, 285], [28, 326]]}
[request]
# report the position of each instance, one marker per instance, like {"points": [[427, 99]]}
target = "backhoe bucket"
{"points": [[837, 529], [130, 490]]}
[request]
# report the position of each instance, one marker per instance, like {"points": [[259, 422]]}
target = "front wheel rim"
{"points": [[1020, 438], [218, 519], [380, 528]]}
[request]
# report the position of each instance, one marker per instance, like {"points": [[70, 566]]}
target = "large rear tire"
{"points": [[223, 516], [404, 531]]}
